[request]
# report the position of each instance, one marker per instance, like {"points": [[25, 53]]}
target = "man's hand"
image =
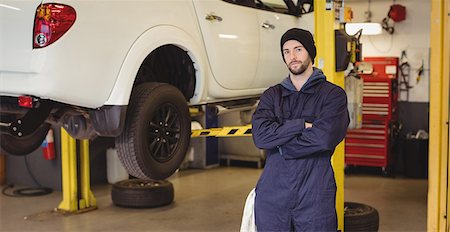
{"points": [[308, 125]]}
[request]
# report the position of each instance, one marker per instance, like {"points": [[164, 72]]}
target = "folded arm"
{"points": [[327, 130], [268, 130]]}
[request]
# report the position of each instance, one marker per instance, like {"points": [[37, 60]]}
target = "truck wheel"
{"points": [[24, 145], [157, 132], [137, 193], [360, 217]]}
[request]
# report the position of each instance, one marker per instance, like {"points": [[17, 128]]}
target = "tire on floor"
{"points": [[360, 217], [138, 193]]}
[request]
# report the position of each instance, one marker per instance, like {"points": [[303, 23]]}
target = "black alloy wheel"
{"points": [[164, 133]]}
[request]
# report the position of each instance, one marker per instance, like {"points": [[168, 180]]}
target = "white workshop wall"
{"points": [[412, 35]]}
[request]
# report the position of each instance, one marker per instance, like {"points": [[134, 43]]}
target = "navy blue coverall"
{"points": [[297, 189]]}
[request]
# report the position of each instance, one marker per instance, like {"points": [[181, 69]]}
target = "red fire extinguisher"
{"points": [[48, 147]]}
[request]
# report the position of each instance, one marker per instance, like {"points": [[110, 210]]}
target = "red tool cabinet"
{"points": [[370, 145]]}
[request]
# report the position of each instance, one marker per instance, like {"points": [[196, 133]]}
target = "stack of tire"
{"points": [[360, 217]]}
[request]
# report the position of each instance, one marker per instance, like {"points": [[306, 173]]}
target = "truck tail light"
{"points": [[51, 21]]}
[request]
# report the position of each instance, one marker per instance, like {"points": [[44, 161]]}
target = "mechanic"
{"points": [[299, 122]]}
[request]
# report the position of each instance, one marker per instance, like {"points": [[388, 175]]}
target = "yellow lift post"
{"points": [[75, 200], [438, 160], [324, 24]]}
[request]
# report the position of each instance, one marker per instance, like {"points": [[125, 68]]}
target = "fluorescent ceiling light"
{"points": [[367, 28]]}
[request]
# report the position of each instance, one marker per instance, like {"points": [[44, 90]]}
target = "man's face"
{"points": [[296, 57]]}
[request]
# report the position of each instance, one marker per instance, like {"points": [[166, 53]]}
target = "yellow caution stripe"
{"points": [[228, 131]]}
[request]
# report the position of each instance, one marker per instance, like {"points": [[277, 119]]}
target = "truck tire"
{"points": [[137, 193], [157, 132], [26, 144], [360, 217]]}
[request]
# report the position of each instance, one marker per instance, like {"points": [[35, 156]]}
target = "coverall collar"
{"points": [[316, 77]]}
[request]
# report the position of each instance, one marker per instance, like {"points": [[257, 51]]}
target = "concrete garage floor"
{"points": [[210, 200]]}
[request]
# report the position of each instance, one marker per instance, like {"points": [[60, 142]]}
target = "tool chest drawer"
{"points": [[367, 146], [379, 100]]}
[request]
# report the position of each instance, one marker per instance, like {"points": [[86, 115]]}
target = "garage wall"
{"points": [[411, 35], [25, 171]]}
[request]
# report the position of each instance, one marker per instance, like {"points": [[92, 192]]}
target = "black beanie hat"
{"points": [[304, 37]]}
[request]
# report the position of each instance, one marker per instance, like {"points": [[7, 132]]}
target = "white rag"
{"points": [[248, 216]]}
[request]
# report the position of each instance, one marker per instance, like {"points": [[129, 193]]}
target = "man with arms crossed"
{"points": [[299, 122]]}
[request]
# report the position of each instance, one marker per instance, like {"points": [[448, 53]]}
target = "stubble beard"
{"points": [[302, 68]]}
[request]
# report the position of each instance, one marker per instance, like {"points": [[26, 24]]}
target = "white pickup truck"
{"points": [[130, 69]]}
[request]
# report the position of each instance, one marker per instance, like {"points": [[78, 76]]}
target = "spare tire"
{"points": [[360, 217], [138, 193]]}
